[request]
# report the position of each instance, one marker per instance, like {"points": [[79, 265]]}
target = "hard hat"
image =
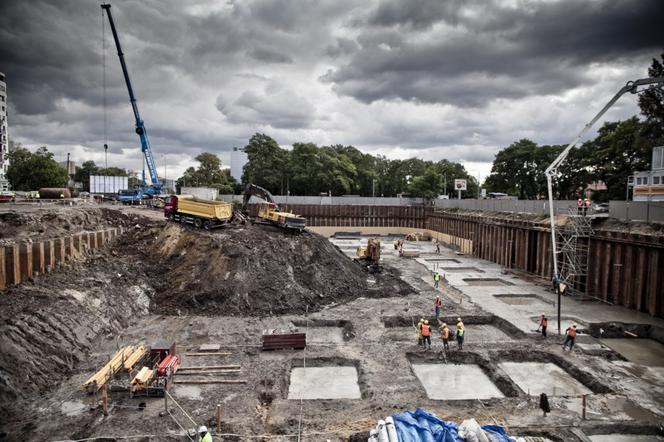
{"points": [[421, 319], [444, 324], [426, 321], [574, 325], [459, 319], [202, 429]]}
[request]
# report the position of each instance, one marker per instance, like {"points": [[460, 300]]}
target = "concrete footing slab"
{"points": [[624, 438], [640, 351], [324, 383], [455, 381], [535, 378]]}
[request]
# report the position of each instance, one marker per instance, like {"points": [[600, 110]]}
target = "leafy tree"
{"points": [[651, 101], [267, 164], [620, 149], [428, 185], [112, 171], [208, 174], [83, 173], [31, 171]]}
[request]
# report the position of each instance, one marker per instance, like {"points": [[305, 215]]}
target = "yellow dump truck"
{"points": [[205, 214]]}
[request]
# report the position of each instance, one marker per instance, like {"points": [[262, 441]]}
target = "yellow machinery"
{"points": [[269, 211], [369, 256]]}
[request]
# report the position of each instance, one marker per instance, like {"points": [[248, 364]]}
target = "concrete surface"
{"points": [[452, 381], [641, 351], [324, 383], [325, 335], [543, 377], [624, 438]]}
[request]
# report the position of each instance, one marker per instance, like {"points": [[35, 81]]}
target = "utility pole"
{"points": [[68, 175]]}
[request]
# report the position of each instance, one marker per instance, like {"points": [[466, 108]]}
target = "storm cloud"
{"points": [[436, 79]]}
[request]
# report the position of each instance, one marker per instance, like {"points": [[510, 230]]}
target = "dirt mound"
{"points": [[49, 222], [257, 270]]}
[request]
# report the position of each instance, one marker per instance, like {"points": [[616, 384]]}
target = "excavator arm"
{"points": [[259, 192]]}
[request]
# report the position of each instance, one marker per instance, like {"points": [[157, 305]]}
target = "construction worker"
{"points": [[445, 336], [205, 434], [436, 279], [579, 206], [419, 331], [426, 334], [460, 332], [586, 206], [437, 304], [570, 337], [544, 323], [437, 247], [555, 280]]}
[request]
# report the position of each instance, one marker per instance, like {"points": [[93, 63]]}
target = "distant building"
{"points": [[238, 160], [72, 167], [649, 185], [4, 137]]}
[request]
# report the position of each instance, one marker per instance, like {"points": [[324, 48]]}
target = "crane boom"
{"points": [[155, 189]]}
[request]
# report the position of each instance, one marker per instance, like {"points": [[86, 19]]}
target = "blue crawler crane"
{"points": [[129, 197]]}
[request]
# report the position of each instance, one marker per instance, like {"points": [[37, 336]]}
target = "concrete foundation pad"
{"points": [[210, 347], [543, 377], [325, 335], [640, 351], [462, 270], [454, 382], [486, 282], [324, 383], [525, 299]]}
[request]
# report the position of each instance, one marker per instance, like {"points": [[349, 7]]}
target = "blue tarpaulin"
{"points": [[422, 426]]}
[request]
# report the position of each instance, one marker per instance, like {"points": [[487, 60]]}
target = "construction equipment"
{"points": [[551, 172], [268, 210], [369, 256], [155, 188], [205, 214]]}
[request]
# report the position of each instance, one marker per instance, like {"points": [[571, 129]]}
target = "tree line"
{"points": [[308, 169]]}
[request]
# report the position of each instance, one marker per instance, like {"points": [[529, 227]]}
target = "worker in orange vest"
{"points": [[445, 336], [437, 305], [586, 206], [571, 336], [579, 206], [426, 334], [544, 323]]}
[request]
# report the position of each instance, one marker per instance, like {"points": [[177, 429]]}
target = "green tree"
{"points": [[31, 171], [267, 165], [209, 174], [651, 101], [620, 149], [428, 185], [112, 171], [83, 174]]}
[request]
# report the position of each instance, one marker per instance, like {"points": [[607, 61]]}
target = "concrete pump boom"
{"points": [[552, 170]]}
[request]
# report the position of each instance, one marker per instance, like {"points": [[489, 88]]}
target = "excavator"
{"points": [[369, 256], [268, 209]]}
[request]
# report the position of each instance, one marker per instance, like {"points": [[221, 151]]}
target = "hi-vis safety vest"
{"points": [[571, 332], [426, 330], [579, 203], [446, 333], [436, 277], [460, 329]]}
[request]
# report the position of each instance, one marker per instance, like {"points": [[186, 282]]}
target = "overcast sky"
{"points": [[454, 79]]}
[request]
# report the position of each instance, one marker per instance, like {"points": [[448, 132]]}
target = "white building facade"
{"points": [[4, 137], [649, 185], [238, 160]]}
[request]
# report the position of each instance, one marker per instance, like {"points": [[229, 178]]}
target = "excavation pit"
{"points": [[325, 335], [445, 260], [486, 282], [566, 321], [455, 381], [535, 378], [640, 351], [331, 382], [462, 270], [524, 299]]}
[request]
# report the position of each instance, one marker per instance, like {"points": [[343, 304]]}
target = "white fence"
{"points": [[107, 184]]}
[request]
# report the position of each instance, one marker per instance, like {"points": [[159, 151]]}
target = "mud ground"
{"points": [[58, 329]]}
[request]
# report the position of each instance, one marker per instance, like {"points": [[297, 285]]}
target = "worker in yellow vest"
{"points": [[460, 333], [205, 434]]}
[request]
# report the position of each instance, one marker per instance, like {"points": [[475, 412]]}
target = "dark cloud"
{"points": [[269, 56], [478, 53]]}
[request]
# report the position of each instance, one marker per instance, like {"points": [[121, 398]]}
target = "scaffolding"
{"points": [[572, 243]]}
